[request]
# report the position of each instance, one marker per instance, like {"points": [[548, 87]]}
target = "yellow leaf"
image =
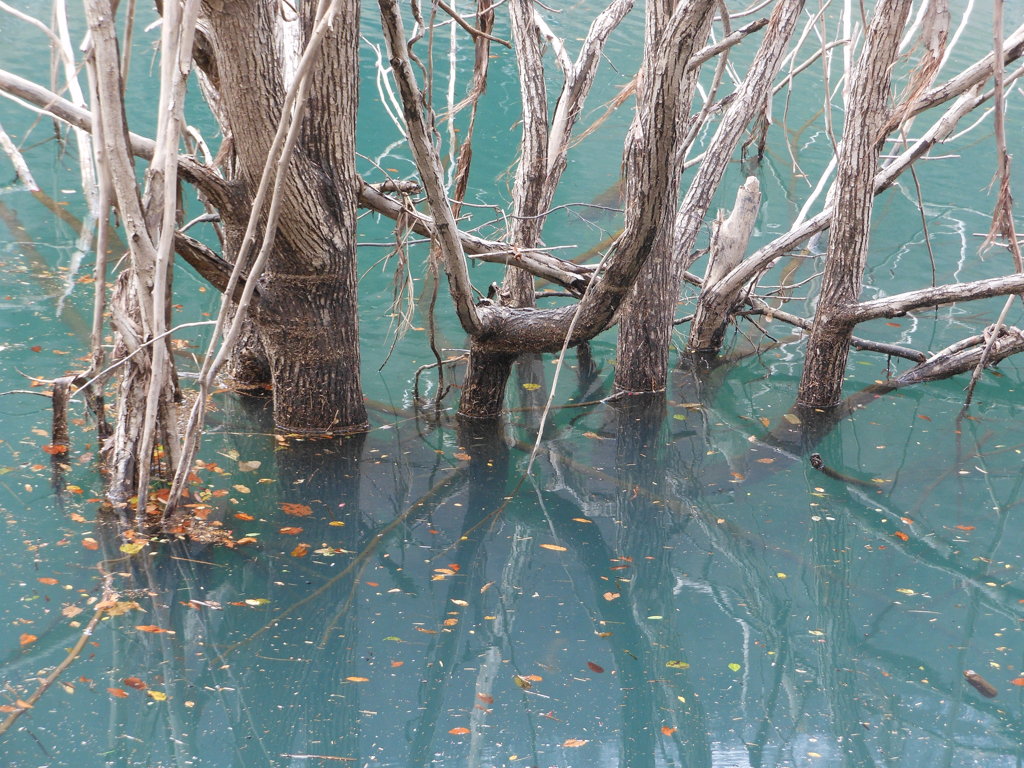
{"points": [[792, 418], [522, 682], [355, 679], [132, 547], [530, 386], [735, 667], [157, 695], [674, 664]]}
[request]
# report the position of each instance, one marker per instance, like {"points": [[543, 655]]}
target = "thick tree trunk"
{"points": [[483, 390], [829, 344], [306, 313], [646, 328]]}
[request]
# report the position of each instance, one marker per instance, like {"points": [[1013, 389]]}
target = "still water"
{"points": [[666, 589]]}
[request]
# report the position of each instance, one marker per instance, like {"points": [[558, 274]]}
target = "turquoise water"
{"points": [[665, 590]]}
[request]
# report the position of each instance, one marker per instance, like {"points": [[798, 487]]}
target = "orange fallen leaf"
{"points": [[964, 527], [609, 596], [53, 450], [395, 664], [667, 730], [922, 416], [462, 456], [90, 543], [485, 698], [901, 536], [1017, 681], [290, 530], [459, 731], [47, 580], [120, 693], [553, 547], [243, 516], [154, 629], [296, 510], [574, 742], [134, 682], [300, 551], [356, 679], [26, 639]]}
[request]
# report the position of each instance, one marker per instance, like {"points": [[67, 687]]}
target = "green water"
{"points": [[666, 590]]}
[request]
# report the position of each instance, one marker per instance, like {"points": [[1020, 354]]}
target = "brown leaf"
{"points": [[290, 530], [134, 682], [574, 742], [296, 510], [120, 693], [595, 667], [300, 550]]}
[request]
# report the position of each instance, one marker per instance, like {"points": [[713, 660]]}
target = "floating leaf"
{"points": [[120, 693], [592, 435], [290, 530], [906, 591], [964, 527], [1017, 681], [157, 695], [296, 510], [134, 682], [132, 547], [522, 682], [462, 456], [336, 523], [47, 580], [922, 416], [459, 731], [90, 543], [553, 547], [241, 488], [357, 679], [792, 418], [249, 466], [460, 603], [301, 550], [396, 664], [901, 536], [765, 422], [735, 667], [55, 450], [781, 575], [490, 699], [667, 730], [531, 386], [121, 607], [154, 629], [26, 639], [574, 742], [243, 516], [675, 664], [581, 520], [595, 667], [609, 596]]}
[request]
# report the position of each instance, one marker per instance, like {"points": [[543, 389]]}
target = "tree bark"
{"points": [[646, 329], [829, 344], [306, 314]]}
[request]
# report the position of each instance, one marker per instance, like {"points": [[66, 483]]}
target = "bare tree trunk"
{"points": [[846, 257], [646, 329], [306, 314]]}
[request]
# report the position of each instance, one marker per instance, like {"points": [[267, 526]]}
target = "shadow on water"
{"points": [[656, 594]]}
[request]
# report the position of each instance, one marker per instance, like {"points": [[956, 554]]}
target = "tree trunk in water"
{"points": [[483, 390], [306, 314], [647, 323], [829, 345]]}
